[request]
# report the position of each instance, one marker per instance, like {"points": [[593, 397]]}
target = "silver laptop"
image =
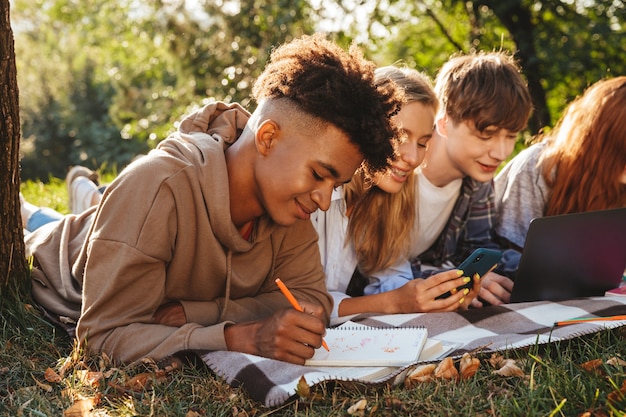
{"points": [[572, 255]]}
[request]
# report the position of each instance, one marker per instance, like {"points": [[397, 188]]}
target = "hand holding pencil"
{"points": [[294, 303]]}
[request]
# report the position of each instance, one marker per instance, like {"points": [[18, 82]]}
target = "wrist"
{"points": [[240, 337]]}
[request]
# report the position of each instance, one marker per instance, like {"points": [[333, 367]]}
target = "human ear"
{"points": [[441, 125], [265, 136]]}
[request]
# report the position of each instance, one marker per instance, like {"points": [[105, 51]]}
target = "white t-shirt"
{"points": [[435, 205]]}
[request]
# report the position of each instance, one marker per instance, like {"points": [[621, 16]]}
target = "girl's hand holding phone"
{"points": [[479, 263]]}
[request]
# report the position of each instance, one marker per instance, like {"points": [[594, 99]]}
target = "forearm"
{"points": [[376, 303], [130, 343]]}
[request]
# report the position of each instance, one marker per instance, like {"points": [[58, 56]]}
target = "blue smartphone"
{"points": [[479, 262]]}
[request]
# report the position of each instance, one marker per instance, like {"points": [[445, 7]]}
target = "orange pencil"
{"points": [[586, 319], [294, 303]]}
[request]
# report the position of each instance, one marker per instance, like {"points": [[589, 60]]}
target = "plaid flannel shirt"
{"points": [[470, 226]]}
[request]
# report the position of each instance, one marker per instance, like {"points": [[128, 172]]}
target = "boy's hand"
{"points": [[495, 290], [288, 335], [170, 314]]}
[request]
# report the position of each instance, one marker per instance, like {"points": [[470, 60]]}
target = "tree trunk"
{"points": [[13, 266], [518, 21]]}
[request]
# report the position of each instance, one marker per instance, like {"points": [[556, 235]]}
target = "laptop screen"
{"points": [[572, 255]]}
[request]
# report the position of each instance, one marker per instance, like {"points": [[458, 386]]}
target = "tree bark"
{"points": [[517, 19], [13, 266]]}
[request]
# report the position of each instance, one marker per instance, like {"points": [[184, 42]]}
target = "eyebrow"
{"points": [[331, 169]]}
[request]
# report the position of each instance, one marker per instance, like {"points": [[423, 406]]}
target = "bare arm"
{"points": [[287, 335], [416, 296]]}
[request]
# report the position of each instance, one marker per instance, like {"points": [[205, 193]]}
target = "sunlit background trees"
{"points": [[102, 81]]}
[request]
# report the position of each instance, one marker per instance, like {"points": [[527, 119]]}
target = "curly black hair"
{"points": [[338, 87]]}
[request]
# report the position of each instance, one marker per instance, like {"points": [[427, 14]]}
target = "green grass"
{"points": [[555, 384]]}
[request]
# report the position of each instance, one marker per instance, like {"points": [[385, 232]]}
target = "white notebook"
{"points": [[370, 346]]}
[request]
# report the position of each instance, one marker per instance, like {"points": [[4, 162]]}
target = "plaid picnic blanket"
{"points": [[494, 328]]}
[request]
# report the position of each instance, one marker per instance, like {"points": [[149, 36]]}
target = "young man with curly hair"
{"points": [[184, 248]]}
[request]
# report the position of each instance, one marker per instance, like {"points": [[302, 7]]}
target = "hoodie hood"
{"points": [[200, 142]]}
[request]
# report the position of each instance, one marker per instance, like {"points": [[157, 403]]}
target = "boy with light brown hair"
{"points": [[485, 103]]}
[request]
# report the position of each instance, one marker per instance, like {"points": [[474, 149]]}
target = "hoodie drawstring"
{"points": [[229, 273]]}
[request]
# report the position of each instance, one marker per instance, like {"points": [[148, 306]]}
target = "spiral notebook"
{"points": [[370, 346]]}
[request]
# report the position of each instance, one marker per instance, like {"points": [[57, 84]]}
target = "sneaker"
{"points": [[76, 172]]}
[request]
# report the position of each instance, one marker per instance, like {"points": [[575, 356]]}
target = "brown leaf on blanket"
{"points": [[422, 373], [468, 366], [446, 370]]}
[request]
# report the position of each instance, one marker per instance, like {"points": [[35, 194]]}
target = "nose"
{"points": [[410, 154], [322, 196], [501, 148]]}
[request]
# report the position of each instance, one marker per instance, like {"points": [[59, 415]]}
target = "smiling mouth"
{"points": [[488, 167], [304, 208], [399, 173]]}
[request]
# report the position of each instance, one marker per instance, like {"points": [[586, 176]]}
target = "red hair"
{"points": [[586, 151]]}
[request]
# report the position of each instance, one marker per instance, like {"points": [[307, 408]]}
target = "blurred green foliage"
{"points": [[102, 81]]}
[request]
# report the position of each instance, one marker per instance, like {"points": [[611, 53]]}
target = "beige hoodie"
{"points": [[163, 233]]}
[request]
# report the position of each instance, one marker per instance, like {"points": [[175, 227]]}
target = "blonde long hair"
{"points": [[381, 224], [586, 151]]}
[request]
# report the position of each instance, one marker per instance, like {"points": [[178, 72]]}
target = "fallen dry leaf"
{"points": [[594, 413], [358, 408], [422, 373], [468, 366], [393, 403], [505, 367], [303, 389], [80, 408], [508, 367], [51, 376], [89, 378], [192, 413], [617, 396], [615, 361], [592, 365], [140, 382], [495, 360], [66, 364], [43, 386], [446, 370], [136, 384]]}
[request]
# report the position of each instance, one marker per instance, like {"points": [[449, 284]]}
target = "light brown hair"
{"points": [[485, 88], [585, 153], [381, 223]]}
